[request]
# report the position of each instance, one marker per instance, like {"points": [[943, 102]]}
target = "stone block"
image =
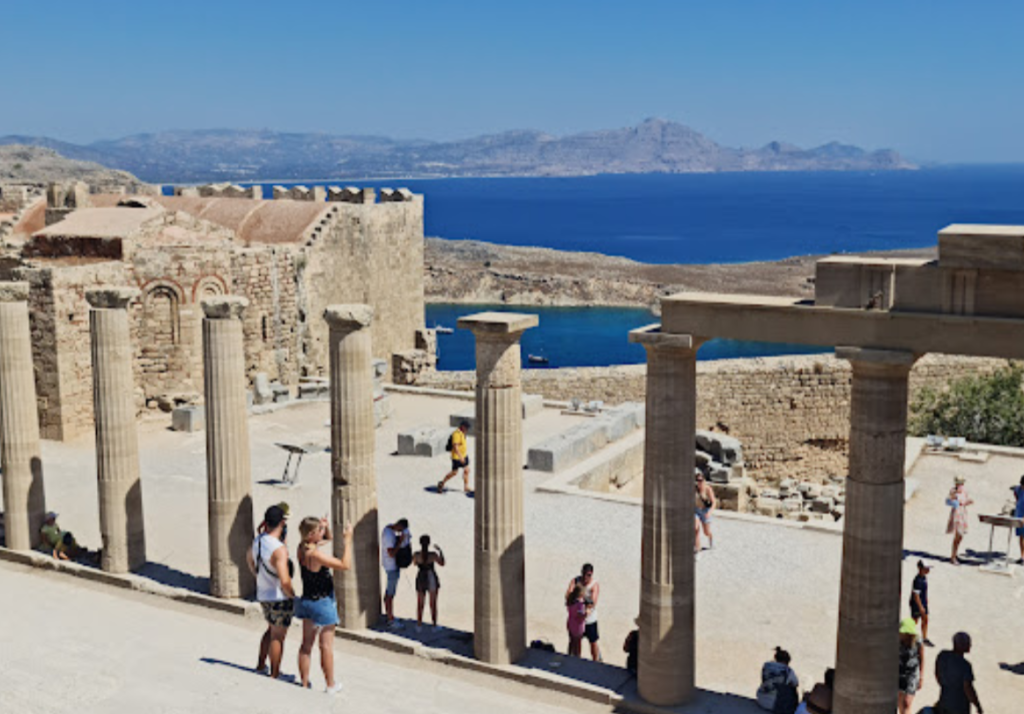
{"points": [[822, 505], [570, 447], [809, 490], [533, 404], [263, 393], [380, 368], [189, 419], [724, 448], [718, 473], [703, 460], [768, 506], [281, 393], [314, 390], [423, 441]]}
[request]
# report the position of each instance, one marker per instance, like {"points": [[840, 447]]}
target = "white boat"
{"points": [[537, 359], [442, 330]]}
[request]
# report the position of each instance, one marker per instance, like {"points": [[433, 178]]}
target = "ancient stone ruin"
{"points": [[289, 258]]}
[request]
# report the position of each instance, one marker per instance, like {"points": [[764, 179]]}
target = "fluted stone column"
{"points": [[229, 477], [117, 442], [20, 456], [499, 601], [666, 665], [353, 473], [867, 661]]}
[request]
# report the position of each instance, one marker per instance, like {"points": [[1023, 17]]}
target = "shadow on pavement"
{"points": [[1012, 668], [175, 578]]}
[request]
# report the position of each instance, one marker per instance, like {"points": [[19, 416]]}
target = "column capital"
{"points": [[13, 291], [651, 337], [498, 326], [224, 307], [348, 318], [879, 357], [111, 298]]}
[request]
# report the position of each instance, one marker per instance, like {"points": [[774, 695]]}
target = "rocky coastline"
{"points": [[469, 271]]}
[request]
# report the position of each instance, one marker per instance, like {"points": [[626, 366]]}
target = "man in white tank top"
{"points": [[591, 592], [268, 560]]}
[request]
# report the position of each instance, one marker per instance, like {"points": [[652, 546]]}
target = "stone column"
{"points": [[229, 478], [117, 442], [666, 658], [869, 598], [499, 601], [20, 456], [353, 473]]}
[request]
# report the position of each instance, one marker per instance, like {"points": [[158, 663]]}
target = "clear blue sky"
{"points": [[937, 80]]}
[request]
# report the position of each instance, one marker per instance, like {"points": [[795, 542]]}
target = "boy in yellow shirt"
{"points": [[460, 458]]}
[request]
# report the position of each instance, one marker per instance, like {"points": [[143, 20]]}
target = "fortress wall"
{"points": [[790, 413], [371, 253], [266, 276]]}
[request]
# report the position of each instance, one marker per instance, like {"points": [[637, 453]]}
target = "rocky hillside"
{"points": [[37, 165], [476, 272], [654, 146]]}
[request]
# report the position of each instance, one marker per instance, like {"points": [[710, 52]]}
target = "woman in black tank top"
{"points": [[427, 581], [317, 608]]}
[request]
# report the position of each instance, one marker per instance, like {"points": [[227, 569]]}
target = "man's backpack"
{"points": [[449, 446]]}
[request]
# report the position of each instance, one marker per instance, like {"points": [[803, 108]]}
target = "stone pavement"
{"points": [[764, 584], [75, 647]]}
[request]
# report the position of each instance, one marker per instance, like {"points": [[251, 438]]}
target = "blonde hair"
{"points": [[308, 527]]}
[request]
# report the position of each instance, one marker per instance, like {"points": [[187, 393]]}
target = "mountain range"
{"points": [[653, 146]]}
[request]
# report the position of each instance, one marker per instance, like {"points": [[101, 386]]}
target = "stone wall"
{"points": [[371, 253], [790, 413]]}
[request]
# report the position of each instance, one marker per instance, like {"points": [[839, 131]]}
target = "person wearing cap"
{"points": [[919, 599], [393, 539], [911, 664], [285, 508], [460, 457], [958, 501], [60, 543], [268, 560], [705, 504], [955, 676]]}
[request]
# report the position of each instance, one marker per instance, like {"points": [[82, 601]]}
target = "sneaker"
{"points": [[335, 689], [394, 625], [440, 486], [264, 670], [929, 643]]}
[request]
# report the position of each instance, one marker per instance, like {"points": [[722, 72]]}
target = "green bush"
{"points": [[987, 409]]}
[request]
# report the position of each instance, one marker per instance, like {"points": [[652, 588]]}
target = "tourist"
{"points": [[283, 505], [395, 547], [58, 543], [705, 504], [911, 664], [819, 699], [268, 560], [958, 501], [317, 607], [460, 457], [919, 599], [779, 685], [427, 582], [956, 679], [632, 647], [576, 620], [1018, 512], [591, 593]]}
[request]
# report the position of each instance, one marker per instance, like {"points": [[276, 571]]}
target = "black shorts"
{"points": [[914, 611], [456, 465], [590, 632]]}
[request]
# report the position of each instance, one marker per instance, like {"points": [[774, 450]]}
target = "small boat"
{"points": [[537, 359], [442, 330]]}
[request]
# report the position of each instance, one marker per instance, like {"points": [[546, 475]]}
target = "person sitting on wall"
{"points": [[59, 543]]}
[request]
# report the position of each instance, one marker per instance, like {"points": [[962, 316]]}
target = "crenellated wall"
{"points": [[790, 413]]}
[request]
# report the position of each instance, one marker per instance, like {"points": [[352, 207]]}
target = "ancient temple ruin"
{"points": [[289, 257]]}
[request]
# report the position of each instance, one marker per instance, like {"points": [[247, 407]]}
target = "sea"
{"points": [[695, 218]]}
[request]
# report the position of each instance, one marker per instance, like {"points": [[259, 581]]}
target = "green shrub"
{"points": [[987, 409]]}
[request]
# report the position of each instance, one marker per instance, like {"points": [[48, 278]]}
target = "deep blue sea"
{"points": [[696, 218]]}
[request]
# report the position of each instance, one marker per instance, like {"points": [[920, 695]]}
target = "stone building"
{"points": [[291, 258]]}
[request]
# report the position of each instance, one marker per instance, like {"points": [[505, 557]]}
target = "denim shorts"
{"points": [[392, 586], [322, 612]]}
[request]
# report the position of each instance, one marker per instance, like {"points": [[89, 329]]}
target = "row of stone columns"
{"points": [[869, 601]]}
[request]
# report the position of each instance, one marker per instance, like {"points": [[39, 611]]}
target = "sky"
{"points": [[937, 80]]}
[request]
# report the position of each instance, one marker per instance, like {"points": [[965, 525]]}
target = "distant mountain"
{"points": [[654, 146]]}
